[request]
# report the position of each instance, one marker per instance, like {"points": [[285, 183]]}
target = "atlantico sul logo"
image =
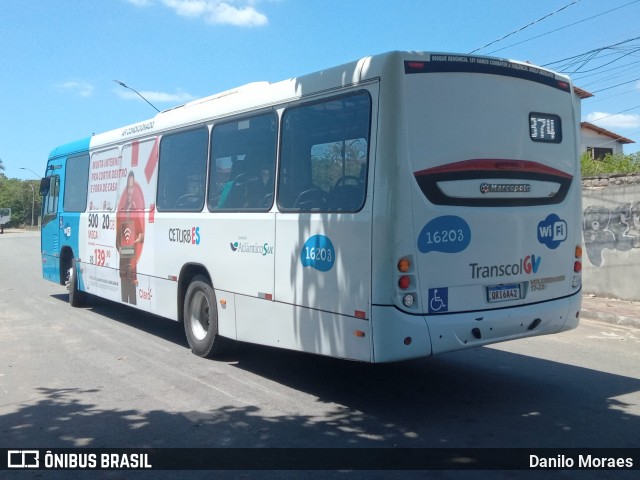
{"points": [[254, 248]]}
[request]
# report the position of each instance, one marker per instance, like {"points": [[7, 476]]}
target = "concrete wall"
{"points": [[611, 236]]}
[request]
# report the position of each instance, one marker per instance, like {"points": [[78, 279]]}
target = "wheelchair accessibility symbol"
{"points": [[438, 300]]}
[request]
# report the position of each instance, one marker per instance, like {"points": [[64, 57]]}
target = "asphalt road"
{"points": [[110, 376]]}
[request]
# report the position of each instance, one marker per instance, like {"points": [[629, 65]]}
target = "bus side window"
{"points": [[50, 202], [325, 151], [243, 156], [182, 171], [76, 183]]}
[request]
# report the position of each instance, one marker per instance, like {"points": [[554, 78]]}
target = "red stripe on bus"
{"points": [[488, 165], [152, 162]]}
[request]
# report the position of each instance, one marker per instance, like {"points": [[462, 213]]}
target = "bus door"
{"points": [[323, 227], [52, 226]]}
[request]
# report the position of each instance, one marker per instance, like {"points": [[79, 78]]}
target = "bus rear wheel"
{"points": [[201, 319]]}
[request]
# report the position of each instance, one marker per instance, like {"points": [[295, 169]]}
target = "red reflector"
{"points": [[508, 165], [359, 333], [577, 267], [361, 314], [404, 282]]}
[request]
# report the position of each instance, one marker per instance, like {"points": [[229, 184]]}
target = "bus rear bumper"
{"points": [[467, 330], [400, 336], [397, 335]]}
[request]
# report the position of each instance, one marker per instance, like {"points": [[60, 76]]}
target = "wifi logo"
{"points": [[552, 231]]}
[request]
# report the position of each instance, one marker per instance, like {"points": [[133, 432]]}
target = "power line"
{"points": [[630, 66], [633, 70], [618, 58], [604, 99], [575, 63], [526, 26], [618, 85], [596, 50], [614, 114], [566, 26]]}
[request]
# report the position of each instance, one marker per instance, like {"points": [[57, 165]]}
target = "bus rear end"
{"points": [[490, 249]]}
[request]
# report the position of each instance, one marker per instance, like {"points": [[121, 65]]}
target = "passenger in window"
{"points": [[260, 191], [237, 171]]}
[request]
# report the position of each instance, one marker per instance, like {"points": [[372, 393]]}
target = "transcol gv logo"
{"points": [[526, 266]]}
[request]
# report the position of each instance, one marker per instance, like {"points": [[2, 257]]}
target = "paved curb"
{"points": [[610, 310]]}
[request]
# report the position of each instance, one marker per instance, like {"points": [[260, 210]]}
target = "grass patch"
{"points": [[610, 164]]}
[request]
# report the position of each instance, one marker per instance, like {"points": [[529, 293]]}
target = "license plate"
{"points": [[503, 293]]}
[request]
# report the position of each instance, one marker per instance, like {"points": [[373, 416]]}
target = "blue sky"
{"points": [[59, 58]]}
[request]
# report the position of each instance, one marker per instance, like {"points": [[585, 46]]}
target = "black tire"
{"points": [[201, 319], [77, 298]]}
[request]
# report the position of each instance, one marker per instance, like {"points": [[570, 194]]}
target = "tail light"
{"points": [[577, 267], [577, 264], [406, 282]]}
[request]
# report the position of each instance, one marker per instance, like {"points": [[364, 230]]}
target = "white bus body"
{"points": [[411, 204]]}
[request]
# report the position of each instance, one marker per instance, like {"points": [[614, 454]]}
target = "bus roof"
{"points": [[258, 95], [70, 148]]}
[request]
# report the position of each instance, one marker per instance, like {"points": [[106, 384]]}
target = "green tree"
{"points": [[21, 196], [610, 164]]}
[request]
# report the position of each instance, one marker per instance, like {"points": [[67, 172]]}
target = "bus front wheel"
{"points": [[201, 318], [77, 297]]}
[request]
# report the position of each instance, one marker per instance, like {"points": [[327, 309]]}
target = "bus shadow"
{"points": [[160, 327], [480, 397]]}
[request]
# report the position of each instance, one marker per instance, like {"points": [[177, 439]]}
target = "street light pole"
{"points": [[25, 168], [137, 93], [33, 201]]}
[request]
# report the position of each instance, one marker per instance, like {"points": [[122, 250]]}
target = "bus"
{"points": [[399, 206]]}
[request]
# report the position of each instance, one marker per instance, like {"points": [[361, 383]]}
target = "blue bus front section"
{"points": [[59, 229]]}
